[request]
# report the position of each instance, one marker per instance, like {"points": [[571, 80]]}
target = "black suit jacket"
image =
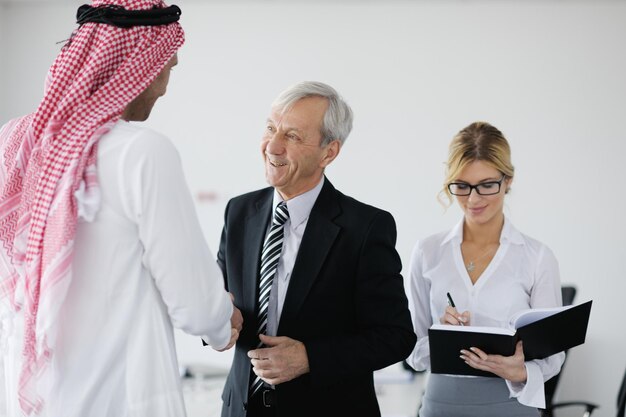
{"points": [[345, 302]]}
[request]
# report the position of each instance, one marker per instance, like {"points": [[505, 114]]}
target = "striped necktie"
{"points": [[269, 261]]}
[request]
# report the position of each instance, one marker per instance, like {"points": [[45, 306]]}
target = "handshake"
{"points": [[236, 323]]}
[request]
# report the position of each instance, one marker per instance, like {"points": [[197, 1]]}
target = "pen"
{"points": [[451, 303]]}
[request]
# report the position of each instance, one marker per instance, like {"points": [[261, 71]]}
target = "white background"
{"points": [[550, 74]]}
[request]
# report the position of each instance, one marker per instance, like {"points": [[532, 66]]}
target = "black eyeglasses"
{"points": [[483, 188]]}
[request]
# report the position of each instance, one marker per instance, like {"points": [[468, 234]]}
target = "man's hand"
{"points": [[282, 360], [511, 368], [236, 324]]}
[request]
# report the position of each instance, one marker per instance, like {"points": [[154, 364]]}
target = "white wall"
{"points": [[549, 74]]}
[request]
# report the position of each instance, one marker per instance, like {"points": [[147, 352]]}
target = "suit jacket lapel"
{"points": [[317, 240], [255, 229]]}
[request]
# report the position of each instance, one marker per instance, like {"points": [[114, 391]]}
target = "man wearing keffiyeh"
{"points": [[100, 247]]}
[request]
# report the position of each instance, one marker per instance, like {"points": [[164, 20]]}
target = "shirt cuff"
{"points": [[530, 393], [220, 339]]}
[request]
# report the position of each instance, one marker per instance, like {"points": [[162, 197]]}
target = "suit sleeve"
{"points": [[221, 254], [384, 333]]}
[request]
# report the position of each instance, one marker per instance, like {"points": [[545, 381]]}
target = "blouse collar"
{"points": [[509, 233]]}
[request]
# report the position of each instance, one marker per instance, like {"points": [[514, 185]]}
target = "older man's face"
{"points": [[294, 159]]}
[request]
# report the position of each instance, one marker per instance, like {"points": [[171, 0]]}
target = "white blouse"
{"points": [[523, 274], [140, 267]]}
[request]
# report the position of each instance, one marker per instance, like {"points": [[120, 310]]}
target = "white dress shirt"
{"points": [[299, 209], [140, 267], [522, 274]]}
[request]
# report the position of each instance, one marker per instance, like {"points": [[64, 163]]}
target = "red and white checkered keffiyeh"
{"points": [[49, 156]]}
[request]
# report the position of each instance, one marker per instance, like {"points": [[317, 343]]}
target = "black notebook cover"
{"points": [[541, 338]]}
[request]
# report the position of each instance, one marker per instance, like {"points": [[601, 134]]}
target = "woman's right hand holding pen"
{"points": [[452, 316]]}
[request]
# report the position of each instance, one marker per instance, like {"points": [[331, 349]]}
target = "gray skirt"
{"points": [[449, 396]]}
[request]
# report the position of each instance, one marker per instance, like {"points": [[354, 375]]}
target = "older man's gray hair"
{"points": [[337, 122]]}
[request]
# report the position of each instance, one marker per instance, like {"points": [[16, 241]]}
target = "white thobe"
{"points": [[140, 268]]}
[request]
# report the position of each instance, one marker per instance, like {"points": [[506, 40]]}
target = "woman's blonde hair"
{"points": [[479, 141]]}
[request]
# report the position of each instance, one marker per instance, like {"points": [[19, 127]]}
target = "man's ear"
{"points": [[330, 153]]}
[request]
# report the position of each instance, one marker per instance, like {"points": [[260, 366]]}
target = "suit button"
{"points": [[245, 406]]}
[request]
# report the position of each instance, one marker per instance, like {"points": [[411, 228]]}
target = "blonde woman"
{"points": [[492, 271]]}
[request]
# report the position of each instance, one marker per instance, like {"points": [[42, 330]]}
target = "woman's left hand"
{"points": [[511, 368]]}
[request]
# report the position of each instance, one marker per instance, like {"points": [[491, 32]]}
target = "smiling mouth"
{"points": [[277, 164]]}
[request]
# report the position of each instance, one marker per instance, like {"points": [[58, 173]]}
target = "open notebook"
{"points": [[544, 332]]}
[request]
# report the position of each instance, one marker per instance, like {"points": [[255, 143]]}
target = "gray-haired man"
{"points": [[314, 272]]}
